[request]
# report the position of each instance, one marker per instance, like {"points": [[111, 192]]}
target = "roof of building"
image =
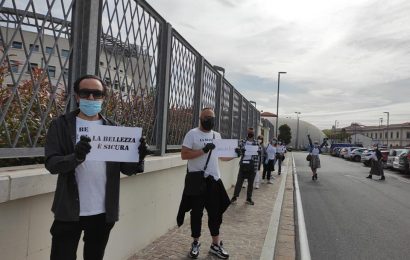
{"points": [[268, 114]]}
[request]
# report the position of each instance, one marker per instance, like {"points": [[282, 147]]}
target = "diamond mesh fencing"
{"points": [[34, 64], [209, 87], [236, 115], [225, 119], [182, 91], [128, 64], [156, 79]]}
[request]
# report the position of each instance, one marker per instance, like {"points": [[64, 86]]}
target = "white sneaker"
{"points": [[270, 181], [257, 186]]}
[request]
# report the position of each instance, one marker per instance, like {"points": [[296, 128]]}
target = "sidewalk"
{"points": [[243, 230]]}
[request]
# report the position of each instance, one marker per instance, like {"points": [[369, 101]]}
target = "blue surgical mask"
{"points": [[90, 107]]}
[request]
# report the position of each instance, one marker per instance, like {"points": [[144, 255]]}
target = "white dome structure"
{"points": [[305, 128]]}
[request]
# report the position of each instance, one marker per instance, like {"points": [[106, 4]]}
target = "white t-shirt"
{"points": [[270, 152], [91, 179], [281, 149], [195, 139]]}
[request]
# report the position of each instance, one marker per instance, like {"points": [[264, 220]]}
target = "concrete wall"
{"points": [[148, 208]]}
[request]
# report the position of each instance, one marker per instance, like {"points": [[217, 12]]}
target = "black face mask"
{"points": [[250, 135], [208, 123]]}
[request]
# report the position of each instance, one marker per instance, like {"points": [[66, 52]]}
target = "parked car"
{"points": [[401, 161], [365, 158], [337, 151], [346, 152], [392, 154], [356, 154]]}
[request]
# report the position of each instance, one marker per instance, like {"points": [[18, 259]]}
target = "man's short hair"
{"points": [[250, 129], [78, 81]]}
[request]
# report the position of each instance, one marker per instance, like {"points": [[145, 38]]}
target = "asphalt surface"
{"points": [[350, 217]]}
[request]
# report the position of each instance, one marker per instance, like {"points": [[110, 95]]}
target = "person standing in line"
{"points": [[376, 164], [270, 160], [258, 176], [248, 167], [86, 198], [280, 155], [314, 151], [197, 149]]}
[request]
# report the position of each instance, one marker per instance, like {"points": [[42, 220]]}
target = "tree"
{"points": [[285, 134]]}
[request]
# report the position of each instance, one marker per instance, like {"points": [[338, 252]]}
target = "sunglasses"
{"points": [[85, 93]]}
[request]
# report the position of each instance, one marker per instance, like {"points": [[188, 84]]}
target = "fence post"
{"points": [[85, 42], [164, 70], [218, 114], [199, 81], [231, 110]]}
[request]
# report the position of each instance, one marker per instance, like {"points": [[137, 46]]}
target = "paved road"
{"points": [[350, 217]]}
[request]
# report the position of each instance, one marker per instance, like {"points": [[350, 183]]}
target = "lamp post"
{"points": [[218, 93], [253, 102], [277, 103], [388, 117], [380, 125], [297, 130]]}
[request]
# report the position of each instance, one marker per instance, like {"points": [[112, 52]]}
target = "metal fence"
{"points": [[156, 79]]}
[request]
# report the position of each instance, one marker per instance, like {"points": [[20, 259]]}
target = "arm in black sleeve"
{"points": [[56, 161], [132, 168], [310, 141]]}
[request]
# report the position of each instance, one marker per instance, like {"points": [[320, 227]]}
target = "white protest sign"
{"points": [[112, 143], [225, 147], [251, 149]]}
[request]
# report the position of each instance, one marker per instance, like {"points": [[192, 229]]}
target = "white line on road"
{"points": [[303, 241]]}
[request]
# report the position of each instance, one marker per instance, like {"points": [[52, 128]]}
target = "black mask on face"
{"points": [[250, 135], [208, 123]]}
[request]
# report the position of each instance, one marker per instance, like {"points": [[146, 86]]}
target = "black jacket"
{"points": [[60, 159]]}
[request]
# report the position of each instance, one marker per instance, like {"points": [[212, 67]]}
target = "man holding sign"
{"points": [[248, 166], [87, 193], [198, 148]]}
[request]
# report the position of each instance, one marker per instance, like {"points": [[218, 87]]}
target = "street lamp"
{"points": [[297, 131], [218, 94], [388, 117], [277, 103], [380, 124]]}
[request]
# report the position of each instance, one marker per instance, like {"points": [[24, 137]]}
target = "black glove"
{"points": [[238, 151], [208, 147], [82, 148], [143, 149]]}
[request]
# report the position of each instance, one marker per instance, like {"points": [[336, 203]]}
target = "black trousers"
{"points": [[267, 173], [210, 201], [239, 182], [279, 165], [66, 235]]}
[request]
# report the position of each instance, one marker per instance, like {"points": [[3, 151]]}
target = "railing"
{"points": [[156, 79]]}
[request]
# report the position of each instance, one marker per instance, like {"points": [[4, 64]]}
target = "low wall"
{"points": [[148, 207]]}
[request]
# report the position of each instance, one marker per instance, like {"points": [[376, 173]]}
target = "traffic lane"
{"points": [[350, 217]]}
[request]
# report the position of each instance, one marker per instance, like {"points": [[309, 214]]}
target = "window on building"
{"points": [[14, 66], [49, 50], [34, 47], [52, 71], [408, 135], [371, 135], [385, 135], [380, 135], [101, 63], [31, 67], [65, 53], [17, 45], [397, 135], [391, 134]]}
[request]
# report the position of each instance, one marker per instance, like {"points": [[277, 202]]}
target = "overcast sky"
{"points": [[346, 60]]}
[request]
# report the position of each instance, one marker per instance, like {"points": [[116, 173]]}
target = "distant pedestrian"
{"points": [[280, 155], [257, 180], [248, 167], [269, 161], [376, 164], [314, 151], [203, 185]]}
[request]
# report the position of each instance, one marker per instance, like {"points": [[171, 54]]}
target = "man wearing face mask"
{"points": [[247, 168], [87, 193], [197, 149]]}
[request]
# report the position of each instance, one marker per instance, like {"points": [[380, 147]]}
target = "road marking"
{"points": [[303, 241], [268, 249]]}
